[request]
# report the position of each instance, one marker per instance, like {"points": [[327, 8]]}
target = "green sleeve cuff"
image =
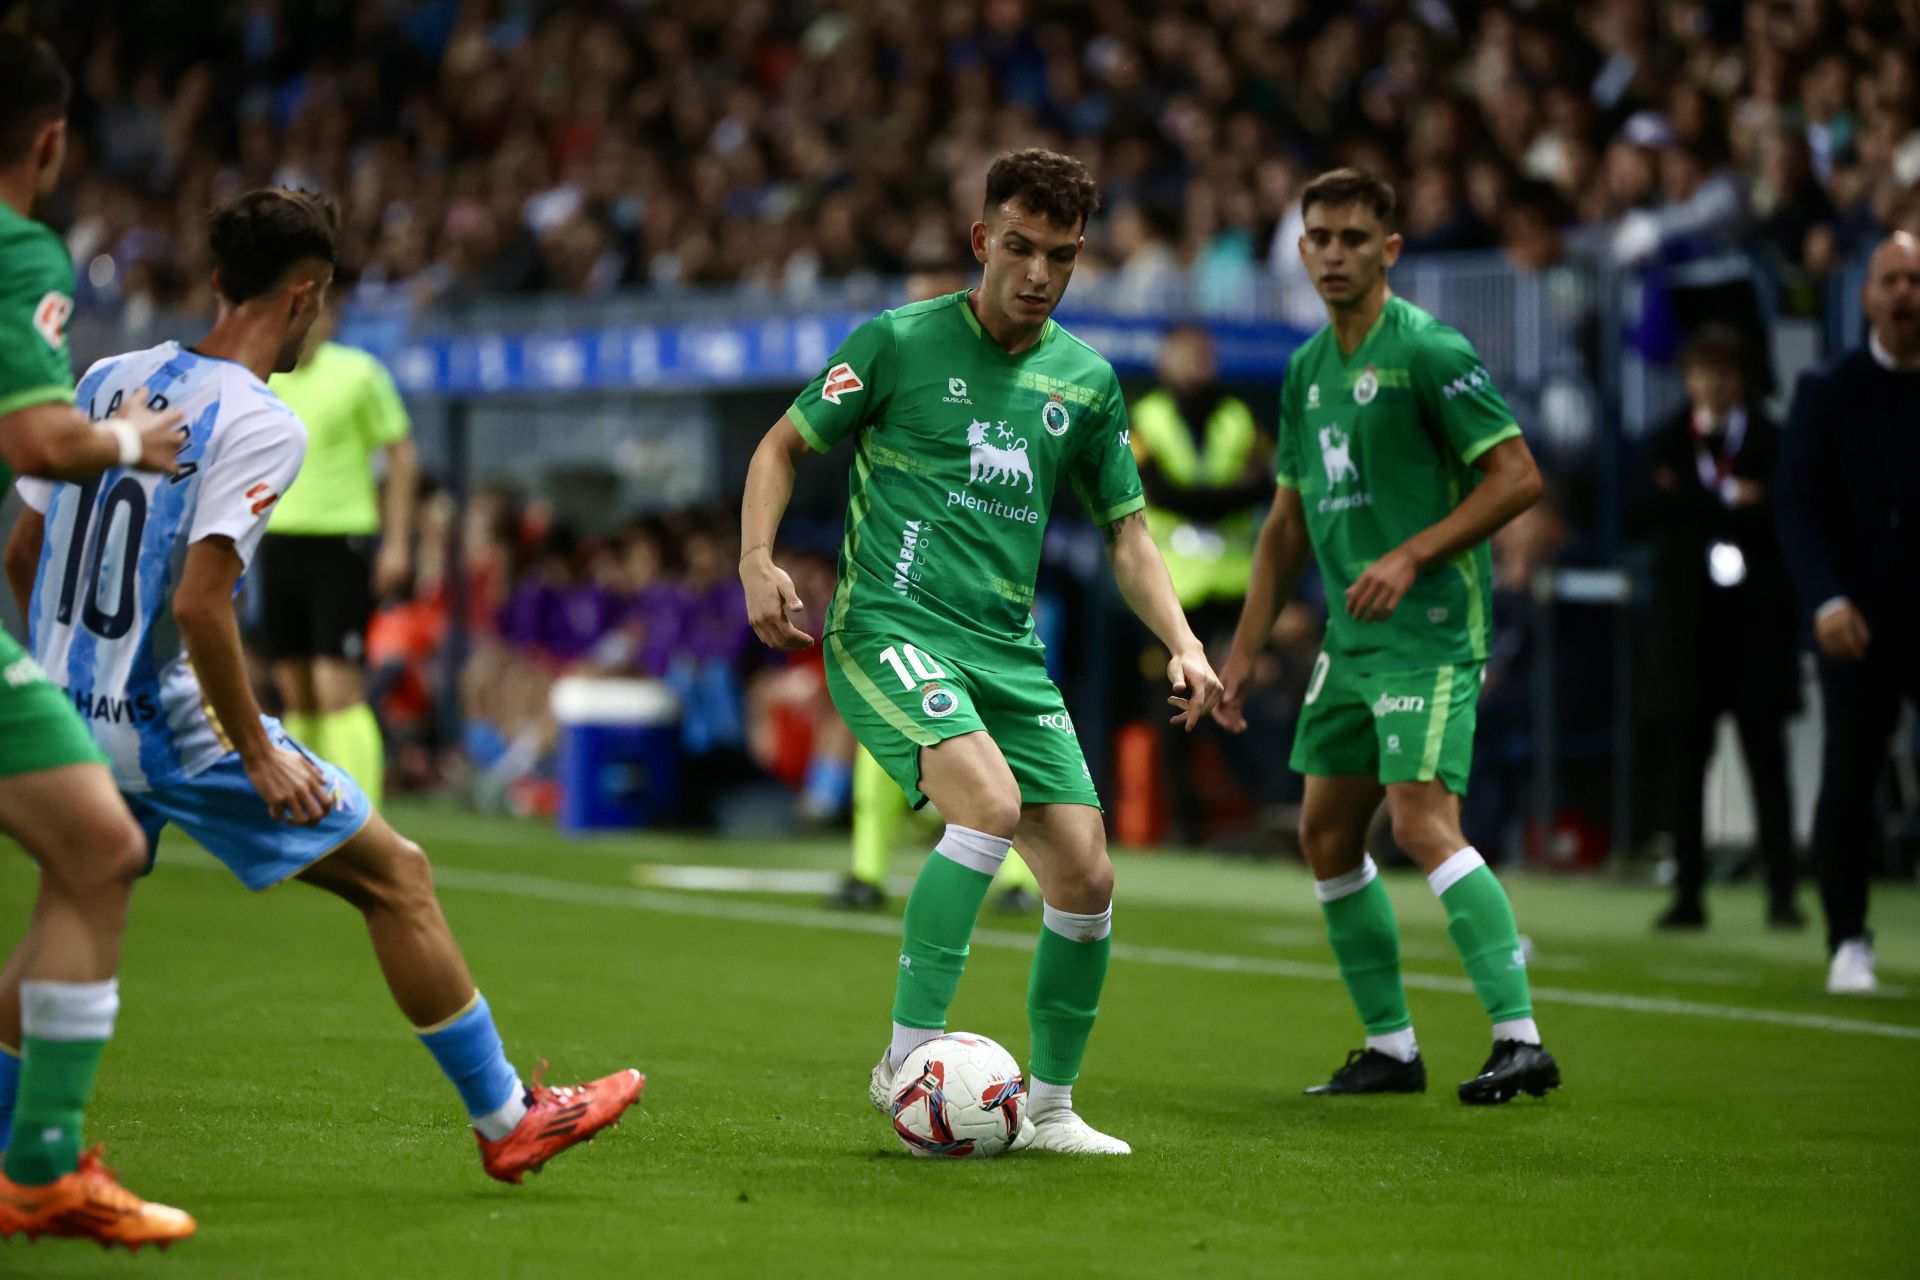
{"points": [[805, 428], [1286, 481], [46, 393], [1479, 447], [1126, 507]]}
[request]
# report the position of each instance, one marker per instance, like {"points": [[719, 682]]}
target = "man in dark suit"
{"points": [[1849, 516], [1722, 636]]}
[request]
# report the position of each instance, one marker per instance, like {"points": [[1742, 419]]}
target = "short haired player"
{"points": [[1397, 460], [969, 411], [132, 614]]}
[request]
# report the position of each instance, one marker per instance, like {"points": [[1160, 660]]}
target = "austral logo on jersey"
{"points": [[957, 392], [1467, 383], [1388, 705], [904, 572], [50, 319], [841, 381]]}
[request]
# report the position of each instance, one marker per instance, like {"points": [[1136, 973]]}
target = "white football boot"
{"points": [[1851, 973], [1061, 1129], [880, 1087]]}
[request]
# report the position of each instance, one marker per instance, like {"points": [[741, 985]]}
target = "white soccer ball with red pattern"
{"points": [[959, 1097]]}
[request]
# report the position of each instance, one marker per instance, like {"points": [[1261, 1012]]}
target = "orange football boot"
{"points": [[558, 1119], [90, 1204]]}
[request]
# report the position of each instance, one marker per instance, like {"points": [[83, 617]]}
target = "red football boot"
{"points": [[90, 1204], [558, 1119]]}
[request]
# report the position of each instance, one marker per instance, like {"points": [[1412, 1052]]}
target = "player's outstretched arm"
{"points": [[293, 788], [23, 556], [771, 599], [1148, 591], [1509, 484], [57, 441], [1279, 556]]}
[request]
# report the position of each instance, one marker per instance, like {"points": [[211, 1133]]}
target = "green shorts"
{"points": [[1397, 726], [899, 697], [39, 729]]}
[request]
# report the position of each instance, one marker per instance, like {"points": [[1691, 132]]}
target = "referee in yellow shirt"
{"points": [[320, 576]]}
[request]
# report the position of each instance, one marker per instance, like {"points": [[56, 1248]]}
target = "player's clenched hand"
{"points": [[1236, 681], [1196, 689], [770, 600], [160, 434], [1376, 593], [292, 785]]}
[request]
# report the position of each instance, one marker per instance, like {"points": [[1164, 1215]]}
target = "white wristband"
{"points": [[128, 436]]}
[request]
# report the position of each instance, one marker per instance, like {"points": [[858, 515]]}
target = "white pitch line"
{"points": [[515, 885]]}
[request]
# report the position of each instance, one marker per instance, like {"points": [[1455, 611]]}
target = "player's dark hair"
{"points": [[1047, 185], [1340, 187], [1716, 346], [34, 92], [259, 236]]}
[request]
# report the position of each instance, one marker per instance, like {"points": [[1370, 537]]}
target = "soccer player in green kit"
{"points": [[1397, 460], [968, 411], [56, 796]]}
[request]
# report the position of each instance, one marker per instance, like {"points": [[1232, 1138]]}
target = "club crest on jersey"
{"points": [[937, 702], [1336, 455], [1366, 386], [841, 381], [1001, 459], [1054, 417], [50, 318]]}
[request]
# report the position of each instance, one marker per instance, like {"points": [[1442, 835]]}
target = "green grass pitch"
{"points": [[1721, 1115]]}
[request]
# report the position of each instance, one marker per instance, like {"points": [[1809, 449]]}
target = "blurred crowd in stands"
{"points": [[657, 598], [481, 146]]}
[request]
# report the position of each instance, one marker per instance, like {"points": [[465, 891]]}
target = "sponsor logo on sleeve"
{"points": [[50, 319], [261, 496], [841, 381]]}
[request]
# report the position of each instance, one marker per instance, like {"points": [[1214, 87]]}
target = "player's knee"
{"points": [[996, 811], [1322, 842], [1424, 838], [101, 859], [407, 885]]}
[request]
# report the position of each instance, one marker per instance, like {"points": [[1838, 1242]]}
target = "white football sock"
{"points": [[907, 1039], [1521, 1029], [1396, 1044], [1042, 1096], [69, 1010], [496, 1125]]}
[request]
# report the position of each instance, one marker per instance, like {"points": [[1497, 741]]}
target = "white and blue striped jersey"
{"points": [[101, 619]]}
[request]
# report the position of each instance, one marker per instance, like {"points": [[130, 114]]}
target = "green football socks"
{"points": [[1063, 991], [65, 1028], [940, 915], [1480, 921], [351, 740], [1366, 943]]}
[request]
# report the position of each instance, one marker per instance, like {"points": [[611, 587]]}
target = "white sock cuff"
{"points": [[1042, 1096], [1455, 869], [1347, 883], [1075, 927], [69, 1010], [975, 850]]}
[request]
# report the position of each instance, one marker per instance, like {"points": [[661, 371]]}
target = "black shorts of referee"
{"points": [[316, 596]]}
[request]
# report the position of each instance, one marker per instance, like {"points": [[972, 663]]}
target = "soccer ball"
{"points": [[960, 1096]]}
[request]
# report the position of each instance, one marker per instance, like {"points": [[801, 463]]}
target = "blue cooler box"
{"points": [[619, 753]]}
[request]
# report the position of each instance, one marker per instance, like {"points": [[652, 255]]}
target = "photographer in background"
{"points": [[1722, 636]]}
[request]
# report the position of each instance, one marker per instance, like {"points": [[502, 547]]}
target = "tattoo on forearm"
{"points": [[1118, 527]]}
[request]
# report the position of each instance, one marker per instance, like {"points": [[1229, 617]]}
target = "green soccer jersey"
{"points": [[959, 448], [1380, 445], [36, 298]]}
